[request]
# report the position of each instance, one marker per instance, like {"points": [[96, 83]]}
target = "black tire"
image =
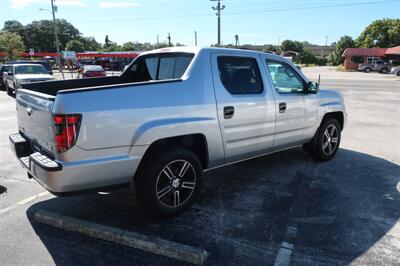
{"points": [[316, 147], [398, 74], [367, 70], [9, 91], [152, 182], [385, 71]]}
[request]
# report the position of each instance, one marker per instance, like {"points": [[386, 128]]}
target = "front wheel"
{"points": [[168, 181], [385, 71], [367, 70], [326, 141]]}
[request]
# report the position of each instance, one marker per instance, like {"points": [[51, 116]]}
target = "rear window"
{"points": [[93, 68], [159, 67]]}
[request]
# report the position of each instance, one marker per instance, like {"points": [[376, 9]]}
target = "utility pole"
{"points": [[58, 58], [236, 40], [195, 38], [157, 41], [218, 8], [323, 48], [169, 39]]}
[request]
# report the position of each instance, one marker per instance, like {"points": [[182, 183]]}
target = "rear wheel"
{"points": [[326, 141], [168, 181]]}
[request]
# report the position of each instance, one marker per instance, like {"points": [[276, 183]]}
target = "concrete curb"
{"points": [[123, 237]]}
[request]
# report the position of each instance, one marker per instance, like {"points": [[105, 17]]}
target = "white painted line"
{"points": [[123, 237], [24, 201], [284, 254]]}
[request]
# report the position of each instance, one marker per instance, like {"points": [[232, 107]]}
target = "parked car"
{"points": [[40, 62], [378, 65], [3, 68], [24, 73], [84, 62], [395, 71], [91, 71], [171, 115]]}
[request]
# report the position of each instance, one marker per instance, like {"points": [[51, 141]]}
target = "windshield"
{"points": [[31, 69]]}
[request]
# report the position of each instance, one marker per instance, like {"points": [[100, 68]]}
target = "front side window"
{"points": [[285, 78], [240, 75], [158, 67]]}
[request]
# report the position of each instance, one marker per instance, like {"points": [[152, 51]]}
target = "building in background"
{"points": [[355, 56]]}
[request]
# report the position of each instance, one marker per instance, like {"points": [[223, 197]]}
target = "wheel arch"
{"points": [[338, 115], [196, 143]]}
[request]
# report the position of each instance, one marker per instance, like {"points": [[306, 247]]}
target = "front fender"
{"points": [[330, 102]]}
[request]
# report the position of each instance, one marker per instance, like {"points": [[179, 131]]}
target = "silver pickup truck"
{"points": [[172, 114]]}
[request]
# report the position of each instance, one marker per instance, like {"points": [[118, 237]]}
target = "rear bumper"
{"points": [[61, 177]]}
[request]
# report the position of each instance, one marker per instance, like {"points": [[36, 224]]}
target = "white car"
{"points": [[395, 71], [24, 73]]}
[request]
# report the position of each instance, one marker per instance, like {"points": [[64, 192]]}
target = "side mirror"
{"points": [[5, 74], [313, 87]]}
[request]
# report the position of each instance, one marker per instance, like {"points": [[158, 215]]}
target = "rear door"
{"points": [[35, 120], [245, 105]]}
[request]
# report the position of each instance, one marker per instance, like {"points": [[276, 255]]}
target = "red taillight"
{"points": [[66, 131]]}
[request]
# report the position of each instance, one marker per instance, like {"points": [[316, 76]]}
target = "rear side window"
{"points": [[159, 67], [240, 75]]}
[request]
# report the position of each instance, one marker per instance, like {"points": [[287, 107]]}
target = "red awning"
{"points": [[393, 51], [379, 52]]}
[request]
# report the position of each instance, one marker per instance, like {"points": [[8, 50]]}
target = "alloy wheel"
{"points": [[175, 183], [330, 140]]}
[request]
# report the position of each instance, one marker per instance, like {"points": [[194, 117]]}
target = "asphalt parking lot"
{"points": [[263, 211]]}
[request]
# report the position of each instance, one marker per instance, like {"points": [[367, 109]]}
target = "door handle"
{"points": [[282, 107], [228, 112]]}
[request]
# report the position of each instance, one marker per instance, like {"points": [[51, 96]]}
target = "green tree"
{"points": [[40, 34], [380, 33], [289, 45], [13, 26], [111, 47], [89, 43], [336, 56], [306, 57], [107, 42], [75, 45], [11, 42]]}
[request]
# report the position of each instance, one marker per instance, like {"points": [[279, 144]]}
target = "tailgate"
{"points": [[35, 121]]}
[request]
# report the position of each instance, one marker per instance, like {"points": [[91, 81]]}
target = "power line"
{"points": [[245, 12]]}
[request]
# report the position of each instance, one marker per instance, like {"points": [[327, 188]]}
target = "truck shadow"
{"points": [[342, 210]]}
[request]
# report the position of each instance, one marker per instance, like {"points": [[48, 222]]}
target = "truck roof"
{"points": [[196, 49]]}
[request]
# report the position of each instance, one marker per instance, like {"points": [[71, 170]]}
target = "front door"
{"points": [[296, 110], [245, 106]]}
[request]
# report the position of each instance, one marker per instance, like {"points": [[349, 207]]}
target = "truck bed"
{"points": [[52, 87]]}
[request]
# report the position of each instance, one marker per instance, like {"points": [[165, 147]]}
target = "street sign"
{"points": [[31, 52], [68, 54]]}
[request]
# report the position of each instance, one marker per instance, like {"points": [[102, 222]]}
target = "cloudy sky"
{"points": [[255, 21]]}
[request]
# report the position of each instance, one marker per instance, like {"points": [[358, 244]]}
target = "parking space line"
{"points": [[286, 248], [284, 254], [123, 237], [24, 201]]}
